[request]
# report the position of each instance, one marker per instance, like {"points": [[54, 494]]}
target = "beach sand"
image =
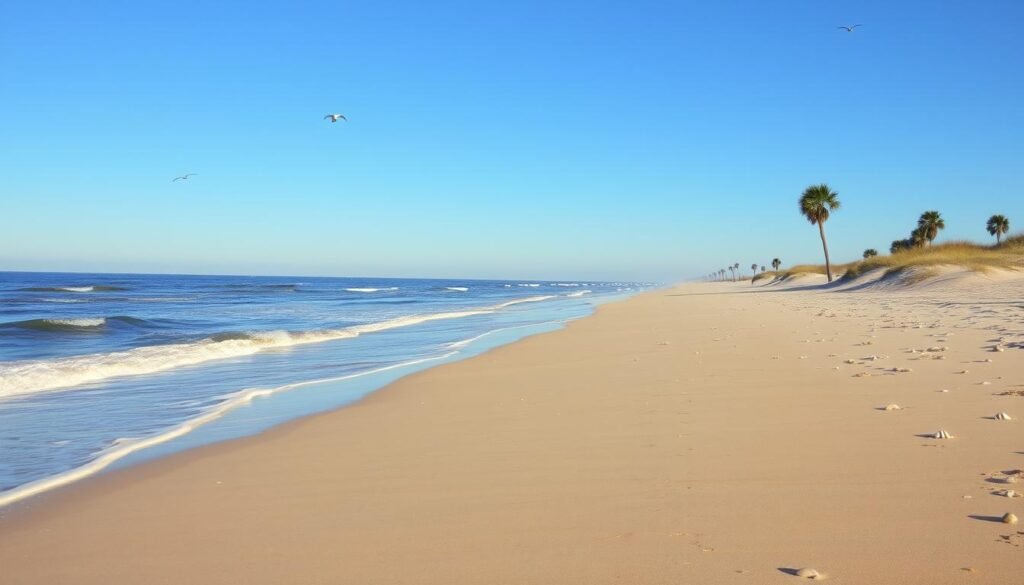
{"points": [[708, 433]]}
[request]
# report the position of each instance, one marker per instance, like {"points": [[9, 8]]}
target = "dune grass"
{"points": [[923, 261]]}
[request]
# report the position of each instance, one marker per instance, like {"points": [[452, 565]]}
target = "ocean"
{"points": [[102, 370]]}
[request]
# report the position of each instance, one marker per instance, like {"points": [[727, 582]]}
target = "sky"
{"points": [[602, 140]]}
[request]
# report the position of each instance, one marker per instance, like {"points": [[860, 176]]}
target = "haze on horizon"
{"points": [[609, 141]]}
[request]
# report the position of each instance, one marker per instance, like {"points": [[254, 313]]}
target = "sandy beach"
{"points": [[707, 433]]}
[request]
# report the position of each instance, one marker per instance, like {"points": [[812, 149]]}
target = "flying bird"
{"points": [[335, 117], [183, 177], [849, 28]]}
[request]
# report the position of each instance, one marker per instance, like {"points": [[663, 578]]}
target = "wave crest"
{"points": [[371, 290], [74, 289]]}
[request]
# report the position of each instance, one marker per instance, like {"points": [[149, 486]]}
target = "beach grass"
{"points": [[923, 262]]}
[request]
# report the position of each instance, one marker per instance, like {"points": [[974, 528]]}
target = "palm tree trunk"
{"points": [[824, 244], [999, 238]]}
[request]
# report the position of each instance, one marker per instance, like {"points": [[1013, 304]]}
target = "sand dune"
{"points": [[712, 433]]}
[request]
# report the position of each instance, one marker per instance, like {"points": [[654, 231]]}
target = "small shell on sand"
{"points": [[893, 407], [998, 348], [1009, 518], [1008, 494], [944, 390], [902, 370], [942, 435], [1002, 416], [964, 372], [851, 361], [808, 573]]}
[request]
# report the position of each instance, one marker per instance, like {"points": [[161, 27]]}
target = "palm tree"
{"points": [[753, 268], [816, 204], [736, 266], [763, 269], [900, 245], [870, 252], [997, 226], [776, 263], [918, 238], [930, 223]]}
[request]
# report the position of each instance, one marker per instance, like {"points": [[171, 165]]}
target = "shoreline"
{"points": [[138, 448], [692, 433]]}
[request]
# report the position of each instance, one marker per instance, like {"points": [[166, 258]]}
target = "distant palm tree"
{"points": [[900, 245], [870, 252], [736, 266], [753, 268], [763, 269], [930, 223], [918, 238], [776, 263], [816, 204], [997, 226]]}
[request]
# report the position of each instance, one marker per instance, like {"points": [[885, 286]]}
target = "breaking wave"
{"points": [[371, 290], [79, 324], [26, 377], [74, 289]]}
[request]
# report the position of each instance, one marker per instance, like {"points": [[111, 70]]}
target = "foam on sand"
{"points": [[124, 447]]}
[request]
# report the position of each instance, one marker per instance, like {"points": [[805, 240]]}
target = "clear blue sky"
{"points": [[653, 140]]}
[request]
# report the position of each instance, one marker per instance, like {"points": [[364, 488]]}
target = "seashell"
{"points": [[862, 375], [998, 348], [986, 383], [1010, 479], [902, 370], [944, 390], [871, 358], [1008, 518], [988, 360], [851, 361], [1002, 416], [808, 573], [1008, 494], [942, 435], [963, 372], [893, 407]]}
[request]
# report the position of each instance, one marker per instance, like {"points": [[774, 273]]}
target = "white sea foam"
{"points": [[370, 290], [84, 322], [456, 288], [578, 293], [531, 285], [63, 300], [526, 300], [121, 448], [27, 377], [77, 288]]}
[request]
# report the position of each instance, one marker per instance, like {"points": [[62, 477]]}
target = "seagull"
{"points": [[849, 28], [183, 177], [335, 117]]}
